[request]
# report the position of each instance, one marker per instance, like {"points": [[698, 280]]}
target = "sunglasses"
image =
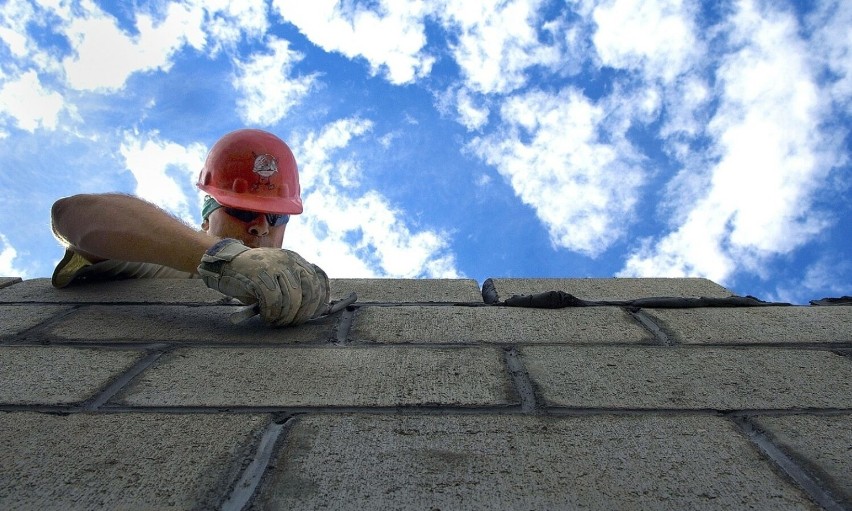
{"points": [[274, 219]]}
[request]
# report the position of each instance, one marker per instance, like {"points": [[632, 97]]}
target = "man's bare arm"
{"points": [[123, 227]]}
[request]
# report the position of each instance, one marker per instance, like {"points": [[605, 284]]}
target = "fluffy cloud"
{"points": [[8, 254], [268, 91], [29, 103], [354, 234], [226, 22], [654, 36], [769, 158], [497, 41], [14, 15], [165, 172], [833, 40], [551, 151], [390, 37], [104, 55]]}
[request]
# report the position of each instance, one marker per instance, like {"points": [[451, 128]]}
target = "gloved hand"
{"points": [[288, 289]]}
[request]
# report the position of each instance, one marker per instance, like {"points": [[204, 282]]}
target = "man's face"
{"points": [[254, 233]]}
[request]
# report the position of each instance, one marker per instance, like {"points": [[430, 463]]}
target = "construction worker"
{"points": [[252, 185]]}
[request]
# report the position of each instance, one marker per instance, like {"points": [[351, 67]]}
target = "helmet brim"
{"points": [[278, 205]]}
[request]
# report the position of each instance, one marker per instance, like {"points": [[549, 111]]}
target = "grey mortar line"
{"points": [[414, 409], [651, 326], [846, 353], [157, 351], [435, 304], [44, 325], [11, 282], [344, 325], [787, 464], [330, 342], [246, 486], [521, 380]]}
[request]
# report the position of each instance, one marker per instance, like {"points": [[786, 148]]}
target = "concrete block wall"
{"points": [[143, 395]]}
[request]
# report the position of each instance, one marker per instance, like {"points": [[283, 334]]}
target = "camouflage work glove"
{"points": [[288, 289]]}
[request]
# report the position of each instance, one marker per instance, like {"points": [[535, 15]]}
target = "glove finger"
{"points": [[291, 295], [270, 299], [321, 290], [310, 297]]}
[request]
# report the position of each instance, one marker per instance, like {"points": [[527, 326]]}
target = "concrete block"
{"points": [[522, 462], [8, 281], [496, 324], [150, 323], [612, 288], [689, 378], [746, 325], [17, 318], [58, 375], [378, 376], [823, 443], [407, 290], [120, 291], [121, 461]]}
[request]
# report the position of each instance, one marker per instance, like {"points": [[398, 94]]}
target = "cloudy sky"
{"points": [[443, 138]]}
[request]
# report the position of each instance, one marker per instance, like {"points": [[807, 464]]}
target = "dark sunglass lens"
{"points": [[277, 220], [241, 214]]}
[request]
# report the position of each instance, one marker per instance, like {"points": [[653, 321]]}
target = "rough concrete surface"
{"points": [[496, 325], [143, 323], [511, 462], [612, 289], [143, 395], [121, 461], [129, 291], [407, 290], [750, 325], [58, 375], [822, 442], [381, 376], [17, 318], [689, 378]]}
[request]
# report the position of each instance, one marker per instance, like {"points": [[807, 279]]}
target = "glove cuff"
{"points": [[222, 252]]}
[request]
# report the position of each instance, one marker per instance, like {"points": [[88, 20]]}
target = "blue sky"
{"points": [[438, 138]]}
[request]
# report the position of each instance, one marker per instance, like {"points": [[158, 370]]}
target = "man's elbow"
{"points": [[62, 218]]}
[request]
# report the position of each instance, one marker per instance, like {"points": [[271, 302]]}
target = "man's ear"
{"points": [[205, 225]]}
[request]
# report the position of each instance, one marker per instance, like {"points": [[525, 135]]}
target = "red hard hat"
{"points": [[254, 170]]}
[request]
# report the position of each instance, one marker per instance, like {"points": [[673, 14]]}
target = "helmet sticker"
{"points": [[265, 165]]}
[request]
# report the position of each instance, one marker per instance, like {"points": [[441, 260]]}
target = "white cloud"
{"points": [[769, 157], [496, 41], [551, 152], [29, 103], [316, 169], [14, 15], [832, 44], [226, 21], [8, 254], [656, 36], [16, 18], [472, 114], [686, 105], [268, 91], [391, 37], [165, 172], [104, 56], [351, 234]]}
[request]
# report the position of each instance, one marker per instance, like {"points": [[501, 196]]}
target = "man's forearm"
{"points": [[114, 226]]}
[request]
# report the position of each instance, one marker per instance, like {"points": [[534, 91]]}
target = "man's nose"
{"points": [[259, 226]]}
